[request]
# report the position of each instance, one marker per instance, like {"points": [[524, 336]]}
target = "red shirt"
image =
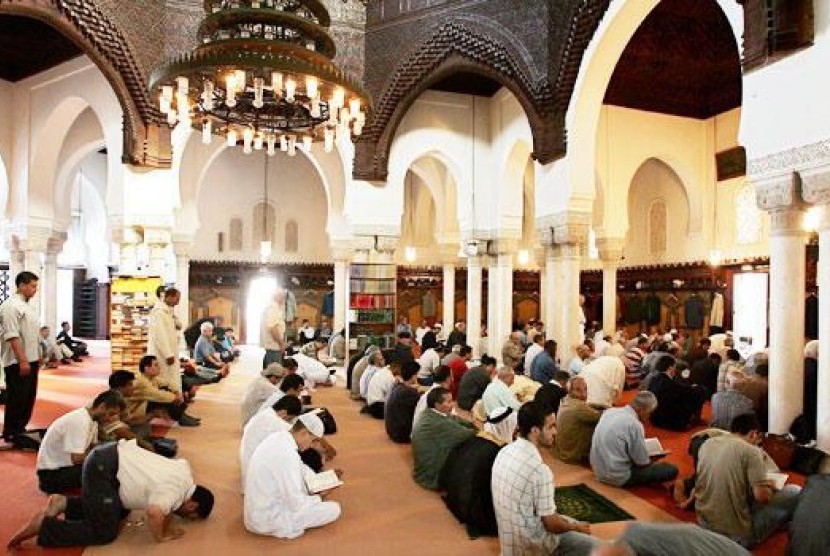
{"points": [[458, 366]]}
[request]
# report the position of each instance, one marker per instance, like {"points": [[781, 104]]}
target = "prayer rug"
{"points": [[583, 503]]}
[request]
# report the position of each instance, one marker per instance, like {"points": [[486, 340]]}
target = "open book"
{"points": [[778, 479], [320, 482], [654, 447]]}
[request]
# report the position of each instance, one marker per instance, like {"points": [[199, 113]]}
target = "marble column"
{"points": [[823, 413], [448, 298], [473, 304], [610, 252], [49, 286], [182, 252], [571, 332], [500, 295], [786, 317], [341, 290]]}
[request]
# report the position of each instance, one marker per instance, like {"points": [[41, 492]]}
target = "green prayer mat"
{"points": [[583, 503]]}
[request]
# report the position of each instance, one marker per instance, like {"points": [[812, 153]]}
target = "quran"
{"points": [[654, 447], [320, 482]]}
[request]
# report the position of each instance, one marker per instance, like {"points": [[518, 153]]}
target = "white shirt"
{"points": [[533, 350], [258, 429], [498, 394], [71, 433], [419, 334], [312, 371], [258, 390], [148, 479], [308, 332], [276, 396], [275, 494], [365, 378], [379, 386], [18, 319], [421, 406], [429, 361], [605, 377]]}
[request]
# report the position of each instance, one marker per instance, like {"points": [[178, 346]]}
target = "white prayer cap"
{"points": [[668, 337], [273, 369], [673, 331], [313, 423]]}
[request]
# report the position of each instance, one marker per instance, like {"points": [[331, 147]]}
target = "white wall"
{"points": [[233, 186]]}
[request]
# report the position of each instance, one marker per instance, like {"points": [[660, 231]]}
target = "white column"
{"points": [[158, 258], [473, 304], [448, 299], [786, 317], [823, 414], [569, 330], [548, 292], [610, 252], [500, 299], [50, 289], [341, 293], [183, 285]]}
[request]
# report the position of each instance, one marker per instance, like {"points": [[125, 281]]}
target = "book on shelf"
{"points": [[325, 480], [654, 447]]}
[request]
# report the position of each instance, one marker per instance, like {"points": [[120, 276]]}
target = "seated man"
{"points": [[284, 413], [260, 389], [618, 449], [435, 435], [734, 496], [443, 379], [313, 372], [377, 361], [277, 500], [51, 352], [428, 362], [670, 538], [550, 395], [399, 410], [360, 367], [474, 383], [605, 377], [69, 439], [151, 395], [575, 423], [77, 347], [205, 352], [458, 366], [291, 385], [127, 426], [730, 403], [380, 384], [336, 348], [523, 494], [498, 394], [756, 388], [543, 368], [678, 405], [705, 372], [117, 478], [465, 478]]}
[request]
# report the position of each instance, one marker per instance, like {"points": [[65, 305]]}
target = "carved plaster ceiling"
{"points": [[683, 60]]}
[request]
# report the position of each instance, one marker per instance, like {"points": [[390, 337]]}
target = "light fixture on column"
{"points": [[471, 248], [524, 256], [265, 244], [811, 221], [263, 69], [715, 257], [410, 253]]}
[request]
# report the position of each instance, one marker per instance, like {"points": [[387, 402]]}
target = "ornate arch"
{"points": [[452, 48], [146, 138]]}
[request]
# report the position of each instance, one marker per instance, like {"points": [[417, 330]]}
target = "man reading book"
{"points": [[278, 500]]}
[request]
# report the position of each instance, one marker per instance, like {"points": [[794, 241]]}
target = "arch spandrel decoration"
{"points": [[146, 137], [657, 223]]}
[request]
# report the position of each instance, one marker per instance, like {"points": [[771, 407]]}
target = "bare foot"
{"points": [[55, 506], [30, 530]]}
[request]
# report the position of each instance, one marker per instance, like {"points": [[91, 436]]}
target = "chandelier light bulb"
{"points": [[183, 106], [271, 146], [247, 140], [233, 137], [292, 146], [167, 92], [307, 143], [311, 87], [258, 142], [345, 116], [411, 254], [207, 95], [183, 85], [164, 104], [259, 92], [239, 77], [172, 118], [357, 129], [524, 256], [338, 99], [276, 83], [283, 143], [290, 89], [354, 107], [207, 132], [315, 108], [328, 140]]}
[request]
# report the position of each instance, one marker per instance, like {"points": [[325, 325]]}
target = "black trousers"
{"points": [[174, 410], [60, 480], [376, 410], [94, 517], [21, 392], [271, 356]]}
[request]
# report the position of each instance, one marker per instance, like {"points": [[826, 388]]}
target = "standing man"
{"points": [[523, 494], [163, 339], [21, 360], [272, 329]]}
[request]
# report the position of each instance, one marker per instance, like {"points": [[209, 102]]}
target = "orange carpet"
{"points": [[59, 391]]}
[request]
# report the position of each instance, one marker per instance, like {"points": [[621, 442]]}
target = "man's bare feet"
{"points": [[55, 505], [30, 530]]}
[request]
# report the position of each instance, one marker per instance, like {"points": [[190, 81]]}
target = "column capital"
{"points": [[342, 251], [31, 237], [779, 192], [815, 184], [499, 247], [54, 245], [610, 249], [157, 236], [387, 244], [787, 221], [449, 253], [568, 226]]}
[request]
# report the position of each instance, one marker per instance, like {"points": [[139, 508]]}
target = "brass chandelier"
{"points": [[262, 76]]}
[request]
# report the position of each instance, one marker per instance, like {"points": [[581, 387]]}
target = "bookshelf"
{"points": [[372, 299], [131, 300]]}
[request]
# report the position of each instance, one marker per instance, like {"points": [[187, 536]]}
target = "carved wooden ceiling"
{"points": [[683, 60], [28, 47]]}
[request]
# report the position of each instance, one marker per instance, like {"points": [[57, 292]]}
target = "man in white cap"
{"points": [[277, 500]]}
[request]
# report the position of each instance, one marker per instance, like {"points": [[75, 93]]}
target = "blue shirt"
{"points": [[543, 368], [204, 348]]}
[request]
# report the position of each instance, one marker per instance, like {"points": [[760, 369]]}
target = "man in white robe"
{"points": [[279, 418], [277, 500], [163, 339], [313, 372]]}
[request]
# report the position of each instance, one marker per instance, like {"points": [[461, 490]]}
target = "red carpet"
{"points": [[678, 444], [59, 391]]}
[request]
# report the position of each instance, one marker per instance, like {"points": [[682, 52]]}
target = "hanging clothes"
{"points": [[328, 305], [694, 312], [429, 305], [634, 309], [290, 306], [673, 311], [716, 314], [652, 309]]}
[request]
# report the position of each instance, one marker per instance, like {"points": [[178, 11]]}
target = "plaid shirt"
{"points": [[727, 405], [522, 486]]}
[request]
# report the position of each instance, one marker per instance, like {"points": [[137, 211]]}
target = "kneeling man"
{"points": [[277, 500]]}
